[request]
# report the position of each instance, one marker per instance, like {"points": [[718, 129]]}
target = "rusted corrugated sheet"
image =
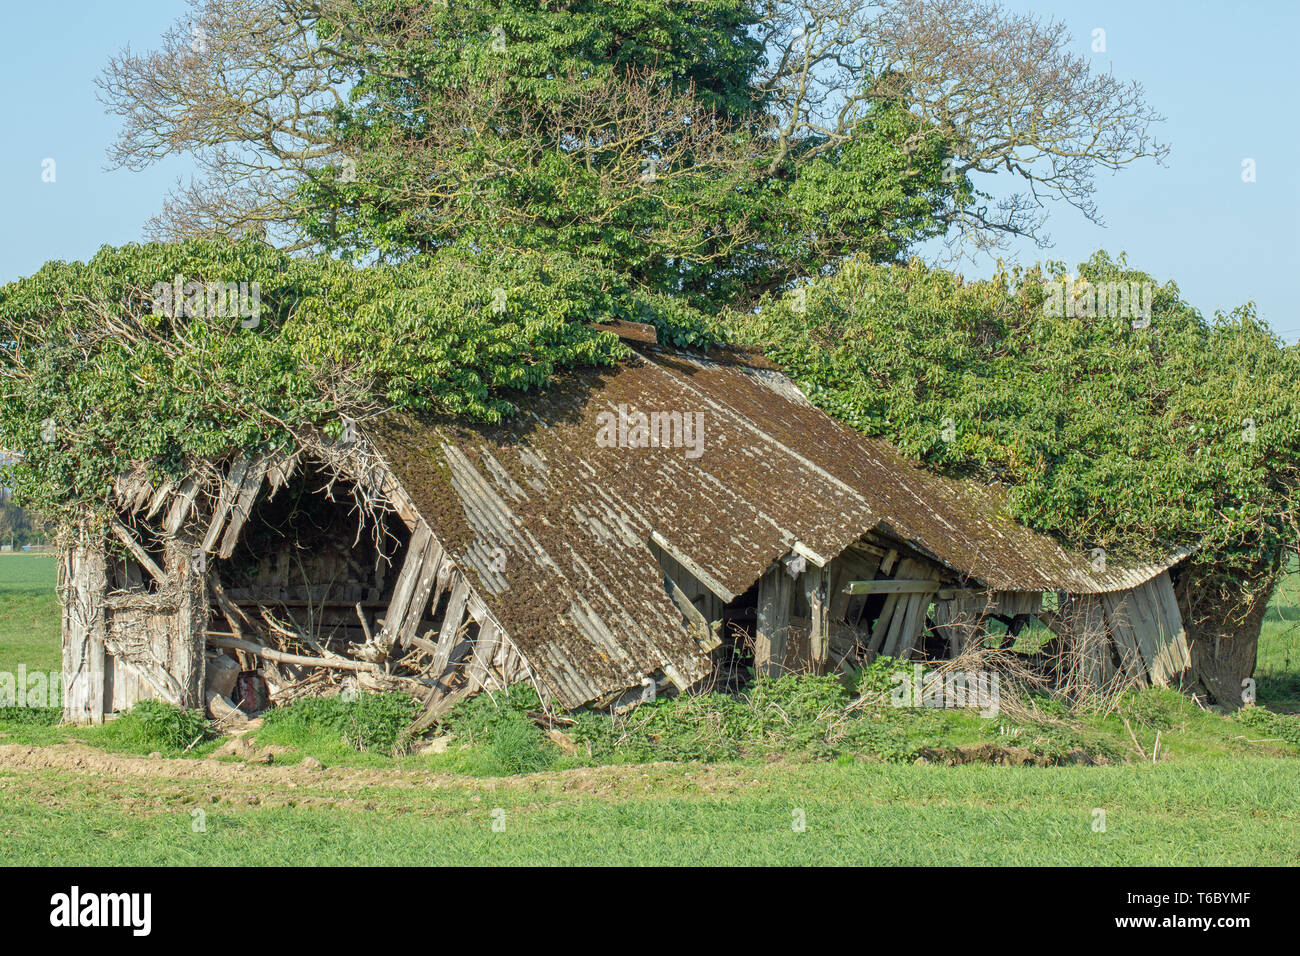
{"points": [[556, 522], [961, 524]]}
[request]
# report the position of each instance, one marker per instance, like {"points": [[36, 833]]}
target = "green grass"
{"points": [[1278, 670], [1198, 813], [29, 613]]}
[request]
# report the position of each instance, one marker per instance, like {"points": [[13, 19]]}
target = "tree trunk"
{"points": [[1223, 619]]}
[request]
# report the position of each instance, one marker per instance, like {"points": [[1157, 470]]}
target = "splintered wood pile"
{"points": [[254, 585]]}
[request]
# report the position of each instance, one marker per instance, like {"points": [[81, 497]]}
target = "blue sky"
{"points": [[1225, 75]]}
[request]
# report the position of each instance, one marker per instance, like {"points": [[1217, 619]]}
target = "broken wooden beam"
{"points": [[892, 586], [708, 638], [415, 583], [437, 706], [230, 642], [182, 501], [138, 552], [242, 504], [230, 485]]}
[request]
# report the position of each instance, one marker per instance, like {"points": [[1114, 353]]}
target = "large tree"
{"points": [[719, 148]]}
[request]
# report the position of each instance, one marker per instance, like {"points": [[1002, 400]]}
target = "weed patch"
{"points": [[365, 722], [152, 726], [502, 727], [1265, 723]]}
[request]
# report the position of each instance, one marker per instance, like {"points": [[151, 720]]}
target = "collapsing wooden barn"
{"points": [[672, 523]]}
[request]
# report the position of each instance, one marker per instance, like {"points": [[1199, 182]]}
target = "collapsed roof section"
{"points": [[721, 463]]}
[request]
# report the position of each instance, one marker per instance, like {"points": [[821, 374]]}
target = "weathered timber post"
{"points": [[775, 594], [84, 575], [815, 583], [186, 568]]}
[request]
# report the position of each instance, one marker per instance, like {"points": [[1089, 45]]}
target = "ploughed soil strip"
{"points": [[237, 780]]}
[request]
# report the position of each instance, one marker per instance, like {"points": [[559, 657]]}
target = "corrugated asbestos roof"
{"points": [[556, 522]]}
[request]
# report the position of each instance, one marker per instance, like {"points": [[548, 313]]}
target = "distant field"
{"points": [[1278, 672], [29, 613]]}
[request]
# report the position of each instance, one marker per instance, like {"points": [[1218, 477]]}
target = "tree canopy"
{"points": [[718, 149], [1132, 424], [453, 195]]}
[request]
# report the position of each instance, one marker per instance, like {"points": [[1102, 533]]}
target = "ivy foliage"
{"points": [[502, 125], [98, 370], [509, 75], [1135, 432]]}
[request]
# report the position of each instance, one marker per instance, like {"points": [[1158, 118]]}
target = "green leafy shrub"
{"points": [[1057, 740], [101, 362], [502, 725], [152, 725], [1267, 723], [1157, 708], [704, 727], [795, 716], [877, 679], [1107, 432], [877, 736], [365, 722], [31, 716]]}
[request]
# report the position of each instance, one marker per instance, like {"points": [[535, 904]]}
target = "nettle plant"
{"points": [[100, 367], [1136, 430]]}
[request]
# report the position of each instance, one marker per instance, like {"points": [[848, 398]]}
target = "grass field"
{"points": [[141, 811], [29, 613], [1278, 670], [1225, 794]]}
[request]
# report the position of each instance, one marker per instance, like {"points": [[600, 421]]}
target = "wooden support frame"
{"points": [[816, 584], [902, 620], [892, 586], [155, 642], [775, 597], [84, 582]]}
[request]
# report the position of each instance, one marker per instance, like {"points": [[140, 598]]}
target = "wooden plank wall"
{"points": [[960, 619], [1148, 631], [84, 580], [135, 644], [706, 602], [902, 622], [809, 623], [772, 631]]}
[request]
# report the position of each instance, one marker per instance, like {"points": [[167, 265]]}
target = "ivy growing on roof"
{"points": [[173, 352], [1128, 422]]}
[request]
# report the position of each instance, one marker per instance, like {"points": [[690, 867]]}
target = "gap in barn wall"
{"points": [[311, 561]]}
